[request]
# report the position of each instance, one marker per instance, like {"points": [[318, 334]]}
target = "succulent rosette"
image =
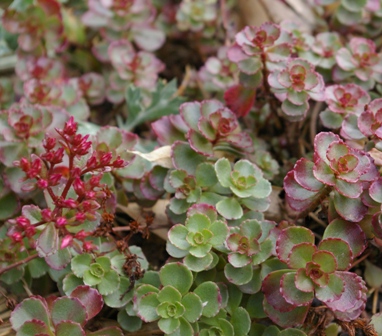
{"points": [[248, 242], [218, 72], [136, 17], [370, 121], [359, 59], [253, 42], [345, 105], [140, 68], [294, 85], [194, 240], [212, 126], [197, 15], [323, 50], [316, 272], [337, 167]]}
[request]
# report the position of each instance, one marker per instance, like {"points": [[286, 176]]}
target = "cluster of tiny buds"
{"points": [[91, 193]]}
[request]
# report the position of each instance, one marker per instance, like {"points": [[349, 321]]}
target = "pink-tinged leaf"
{"points": [[323, 173], [272, 291], [351, 209], [90, 298], [69, 328], [68, 309], [33, 308], [300, 255], [294, 112], [350, 190], [191, 114], [333, 290], [199, 143], [375, 190], [34, 327], [294, 190], [352, 297], [292, 294], [240, 99], [59, 260], [340, 250], [299, 205], [293, 318], [47, 243], [290, 237], [303, 174], [205, 209], [349, 232], [322, 142]]}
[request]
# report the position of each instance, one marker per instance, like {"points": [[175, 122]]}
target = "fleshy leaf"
{"points": [[176, 275], [209, 294], [68, 309]]}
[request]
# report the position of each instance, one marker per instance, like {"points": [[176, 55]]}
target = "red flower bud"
{"points": [[61, 221], [69, 203], [16, 237], [49, 143], [106, 158], [30, 231], [42, 184], [23, 222], [46, 215], [70, 127], [66, 241], [79, 186]]}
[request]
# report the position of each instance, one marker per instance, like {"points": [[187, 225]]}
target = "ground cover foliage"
{"points": [[168, 169]]}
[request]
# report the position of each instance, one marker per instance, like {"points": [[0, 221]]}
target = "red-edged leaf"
{"points": [[293, 295], [90, 298], [240, 99]]}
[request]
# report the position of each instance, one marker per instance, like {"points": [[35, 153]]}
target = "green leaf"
{"points": [[29, 309], [109, 283], [184, 157], [10, 205], [176, 275], [32, 328], [177, 236], [69, 328], [37, 267], [238, 276], [373, 275], [341, 251], [241, 322], [376, 321], [205, 175], [209, 294], [193, 305], [121, 296], [330, 119], [169, 294], [129, 323], [70, 283], [223, 171], [198, 264], [184, 329], [292, 332], [68, 309], [163, 102], [168, 325], [147, 307], [229, 208], [81, 263], [108, 331]]}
